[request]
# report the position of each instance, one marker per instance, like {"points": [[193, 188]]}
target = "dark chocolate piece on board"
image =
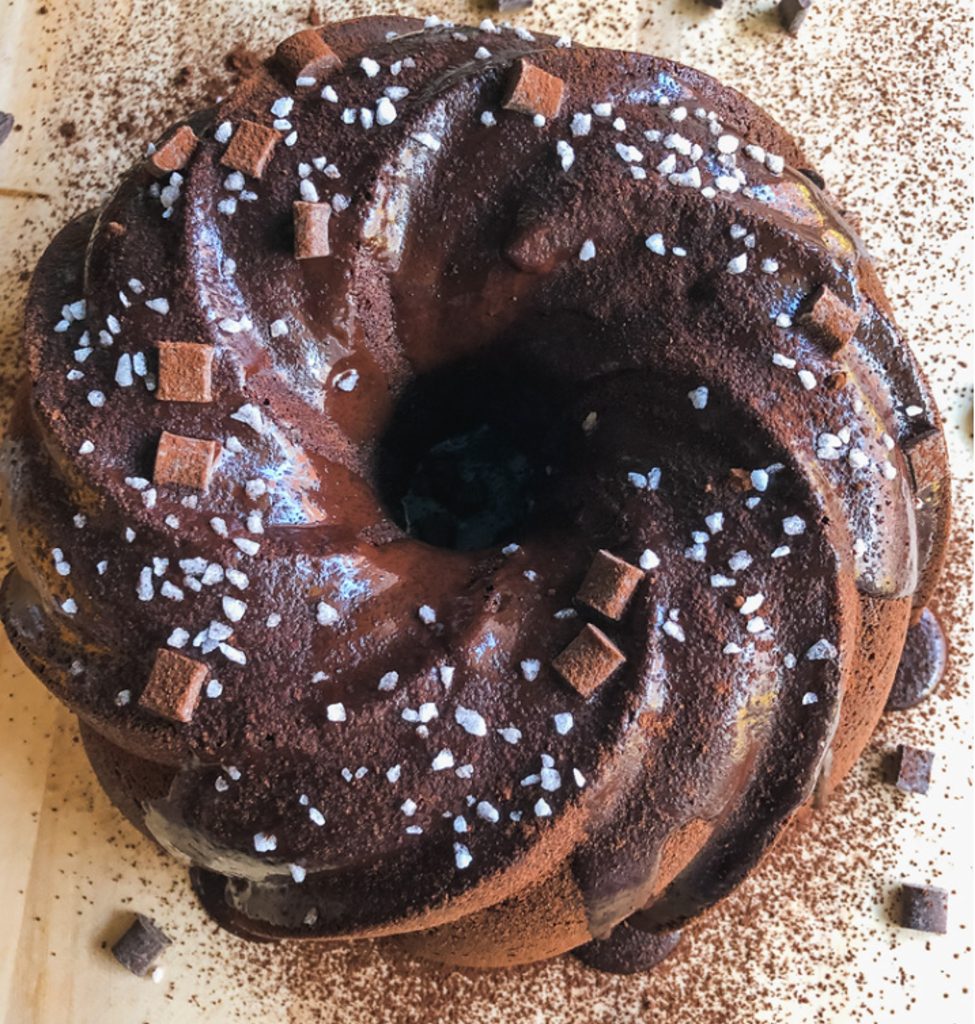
{"points": [[792, 13], [912, 769], [6, 126], [506, 6], [141, 945], [924, 908]]}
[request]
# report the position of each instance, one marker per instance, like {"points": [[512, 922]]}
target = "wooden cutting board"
{"points": [[877, 91]]}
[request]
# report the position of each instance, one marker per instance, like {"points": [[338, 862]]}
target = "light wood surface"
{"points": [[878, 90]]}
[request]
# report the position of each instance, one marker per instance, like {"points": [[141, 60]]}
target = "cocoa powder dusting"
{"points": [[808, 936]]}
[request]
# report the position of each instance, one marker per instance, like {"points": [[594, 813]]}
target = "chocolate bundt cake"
{"points": [[471, 489]]}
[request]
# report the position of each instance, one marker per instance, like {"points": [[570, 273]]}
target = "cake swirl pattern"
{"points": [[716, 491]]}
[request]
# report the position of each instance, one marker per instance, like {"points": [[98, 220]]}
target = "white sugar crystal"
{"points": [[462, 856], [673, 629], [178, 638], [389, 681], [752, 604], [443, 760], [587, 251], [807, 379], [251, 415], [487, 811], [298, 873], [265, 842], [649, 560], [715, 522], [793, 526], [565, 153], [655, 243], [739, 560], [563, 722], [510, 734], [530, 668], [542, 809], [233, 608], [335, 712], [738, 264], [470, 721], [325, 614], [821, 650], [698, 397], [426, 614]]}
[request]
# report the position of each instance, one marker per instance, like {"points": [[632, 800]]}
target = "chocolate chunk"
{"points": [[250, 148], [306, 55], [716, 4], [830, 319], [924, 908], [792, 13], [139, 948], [627, 950], [185, 461], [922, 663], [505, 6], [589, 661], [6, 126], [530, 90], [185, 372], [927, 456], [609, 585], [311, 230], [173, 154], [173, 690], [912, 769]]}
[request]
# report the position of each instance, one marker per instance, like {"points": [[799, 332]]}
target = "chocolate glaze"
{"points": [[923, 662], [628, 950], [455, 291]]}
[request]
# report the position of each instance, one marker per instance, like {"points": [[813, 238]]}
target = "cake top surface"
{"points": [[352, 392]]}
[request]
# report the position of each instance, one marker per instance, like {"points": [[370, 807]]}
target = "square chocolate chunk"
{"points": [[924, 908], [185, 461], [913, 769], [173, 690], [185, 372], [306, 55], [173, 154], [830, 319], [250, 148], [927, 456], [792, 13], [139, 948], [311, 230], [530, 90], [589, 661], [609, 585]]}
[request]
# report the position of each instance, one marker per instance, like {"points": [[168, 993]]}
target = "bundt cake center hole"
{"points": [[460, 464]]}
